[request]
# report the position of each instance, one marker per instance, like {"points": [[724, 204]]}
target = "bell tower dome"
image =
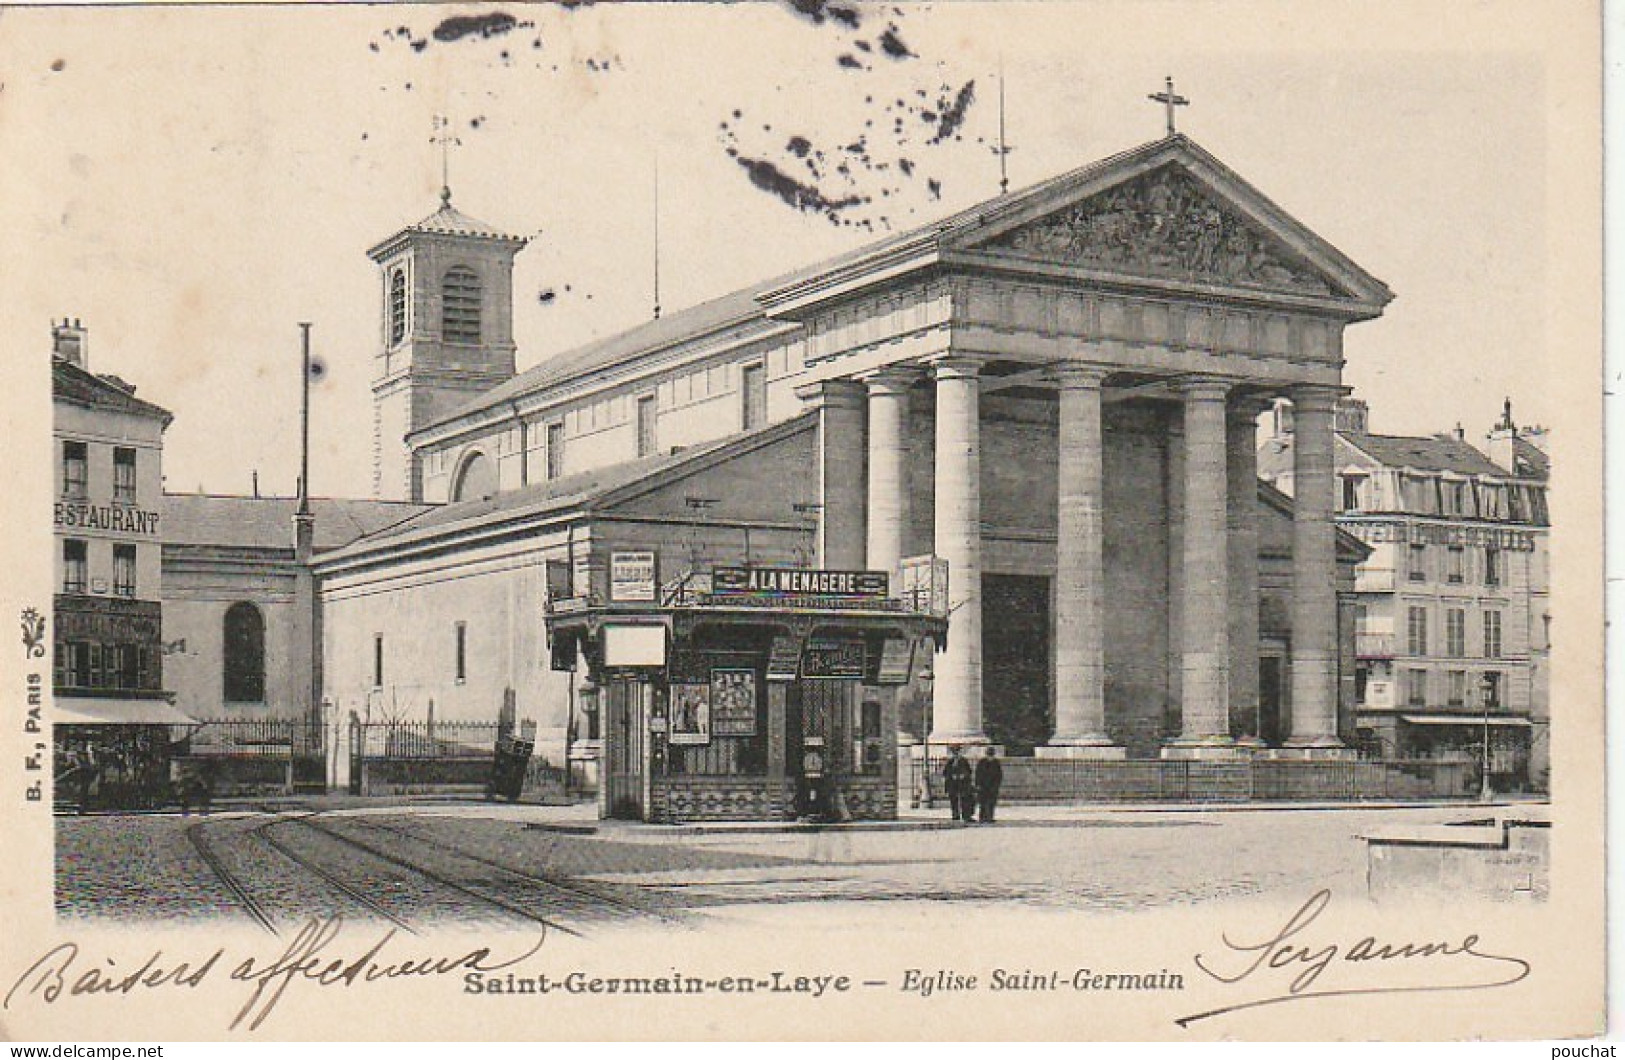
{"points": [[446, 335]]}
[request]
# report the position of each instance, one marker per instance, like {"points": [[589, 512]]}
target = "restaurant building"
{"points": [[112, 709]]}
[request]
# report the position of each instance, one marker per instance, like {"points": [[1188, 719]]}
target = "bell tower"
{"points": [[446, 334]]}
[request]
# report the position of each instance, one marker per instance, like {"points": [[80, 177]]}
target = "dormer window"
{"points": [[460, 306], [397, 306]]}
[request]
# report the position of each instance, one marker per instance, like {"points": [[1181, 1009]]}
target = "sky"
{"points": [[192, 182]]}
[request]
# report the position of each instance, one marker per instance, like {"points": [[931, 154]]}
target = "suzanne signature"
{"points": [[1290, 956], [311, 957]]}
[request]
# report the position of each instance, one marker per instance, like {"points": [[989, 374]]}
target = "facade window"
{"points": [[1458, 688], [1416, 688], [1455, 633], [1458, 497], [397, 306], [753, 385], [1492, 634], [75, 470], [460, 306], [74, 565], [476, 479], [124, 475], [648, 425], [555, 450], [1351, 493], [245, 654], [1492, 690], [1456, 569], [1492, 566], [1417, 628], [1419, 563], [462, 652], [123, 570], [378, 660]]}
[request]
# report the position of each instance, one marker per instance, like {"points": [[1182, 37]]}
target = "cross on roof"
{"points": [[1169, 99], [443, 136]]}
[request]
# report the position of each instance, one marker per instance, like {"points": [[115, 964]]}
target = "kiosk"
{"points": [[758, 694]]}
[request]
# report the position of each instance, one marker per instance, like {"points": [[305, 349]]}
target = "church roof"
{"points": [[923, 245], [448, 221], [75, 385], [199, 519], [583, 491]]}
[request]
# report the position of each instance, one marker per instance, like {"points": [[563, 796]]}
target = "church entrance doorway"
{"points": [[1016, 661]]}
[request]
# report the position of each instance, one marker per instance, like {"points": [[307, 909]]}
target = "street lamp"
{"points": [[927, 721], [1485, 793]]}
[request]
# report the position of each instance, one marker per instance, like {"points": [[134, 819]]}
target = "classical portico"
{"points": [[1059, 388]]}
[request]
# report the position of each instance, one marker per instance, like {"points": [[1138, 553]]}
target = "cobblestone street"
{"points": [[475, 863]]}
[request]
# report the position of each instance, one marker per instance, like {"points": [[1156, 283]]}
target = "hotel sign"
{"points": [[78, 515], [783, 582]]}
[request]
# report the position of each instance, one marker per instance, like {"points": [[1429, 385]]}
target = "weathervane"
{"points": [[443, 136], [1004, 149], [1169, 99]]}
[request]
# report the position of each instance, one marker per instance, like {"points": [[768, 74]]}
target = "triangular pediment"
{"points": [[1167, 224]]}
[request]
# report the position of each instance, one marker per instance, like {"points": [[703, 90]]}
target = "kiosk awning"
{"points": [[78, 711], [1467, 719]]}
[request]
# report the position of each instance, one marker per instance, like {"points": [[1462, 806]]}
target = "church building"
{"points": [[1051, 397]]}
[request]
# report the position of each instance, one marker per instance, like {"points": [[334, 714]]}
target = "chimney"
{"points": [[70, 340], [1353, 416], [1501, 441]]}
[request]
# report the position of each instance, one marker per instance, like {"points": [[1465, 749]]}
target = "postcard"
{"points": [[808, 520]]}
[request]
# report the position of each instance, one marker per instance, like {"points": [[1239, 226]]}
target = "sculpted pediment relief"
{"points": [[1165, 224]]}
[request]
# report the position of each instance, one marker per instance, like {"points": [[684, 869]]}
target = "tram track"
{"points": [[229, 879], [438, 878], [261, 833], [576, 892]]}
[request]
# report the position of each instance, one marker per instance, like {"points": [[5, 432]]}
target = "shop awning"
{"points": [[84, 711], [1477, 721]]}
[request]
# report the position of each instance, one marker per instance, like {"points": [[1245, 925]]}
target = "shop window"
{"points": [[75, 470], [397, 306], [123, 570], [124, 475], [245, 654], [867, 748], [74, 564], [1419, 563], [460, 306]]}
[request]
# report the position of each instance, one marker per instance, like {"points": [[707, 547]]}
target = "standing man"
{"points": [[989, 775], [957, 780]]}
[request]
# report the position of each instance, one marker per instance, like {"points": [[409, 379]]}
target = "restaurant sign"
{"points": [[73, 515], [790, 582]]}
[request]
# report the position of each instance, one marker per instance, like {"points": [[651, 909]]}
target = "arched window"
{"points": [[475, 478], [245, 654], [460, 305], [397, 306]]}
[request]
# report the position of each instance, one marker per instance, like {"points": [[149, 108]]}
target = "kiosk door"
{"points": [[626, 734], [820, 713]]}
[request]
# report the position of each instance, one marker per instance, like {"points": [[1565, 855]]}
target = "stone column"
{"points": [[1314, 574], [888, 468], [1205, 629], [840, 474], [957, 694], [1241, 472], [1080, 572]]}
